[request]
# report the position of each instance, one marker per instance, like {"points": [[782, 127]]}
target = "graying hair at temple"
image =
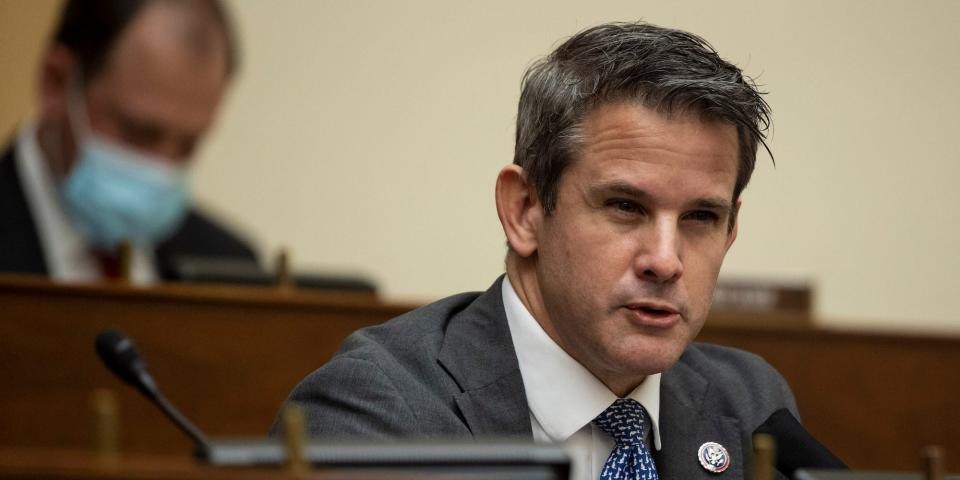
{"points": [[670, 71]]}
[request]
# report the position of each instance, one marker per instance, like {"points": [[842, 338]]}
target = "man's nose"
{"points": [[658, 259]]}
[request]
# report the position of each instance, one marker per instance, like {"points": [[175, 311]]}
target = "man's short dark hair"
{"points": [[90, 29], [669, 71]]}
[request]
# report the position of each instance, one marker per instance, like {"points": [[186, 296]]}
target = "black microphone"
{"points": [[796, 447], [120, 355]]}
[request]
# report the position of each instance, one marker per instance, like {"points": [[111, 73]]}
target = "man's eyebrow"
{"points": [[136, 119], [713, 204], [621, 188], [634, 193]]}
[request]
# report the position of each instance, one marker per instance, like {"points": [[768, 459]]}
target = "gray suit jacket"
{"points": [[449, 370]]}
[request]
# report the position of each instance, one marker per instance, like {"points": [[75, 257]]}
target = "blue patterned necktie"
{"points": [[630, 458]]}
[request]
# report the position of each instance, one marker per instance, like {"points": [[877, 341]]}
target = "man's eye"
{"points": [[624, 206], [142, 135], [139, 133], [703, 216]]}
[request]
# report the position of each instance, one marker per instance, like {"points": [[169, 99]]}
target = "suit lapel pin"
{"points": [[713, 457]]}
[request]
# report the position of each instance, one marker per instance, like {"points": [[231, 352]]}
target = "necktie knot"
{"points": [[624, 420]]}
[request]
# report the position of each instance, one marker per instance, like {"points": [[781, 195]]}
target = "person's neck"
{"points": [[522, 273]]}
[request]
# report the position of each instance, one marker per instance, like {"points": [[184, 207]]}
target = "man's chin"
{"points": [[649, 361], [653, 367]]}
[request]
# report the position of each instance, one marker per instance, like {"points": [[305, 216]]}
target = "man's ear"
{"points": [[57, 70], [519, 210], [734, 224]]}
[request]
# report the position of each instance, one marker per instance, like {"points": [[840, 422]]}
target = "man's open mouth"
{"points": [[654, 314]]}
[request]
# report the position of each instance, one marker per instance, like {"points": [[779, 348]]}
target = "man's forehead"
{"points": [[625, 123], [171, 35], [614, 135], [154, 74]]}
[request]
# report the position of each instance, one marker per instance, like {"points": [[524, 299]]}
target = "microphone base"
{"points": [[501, 460]]}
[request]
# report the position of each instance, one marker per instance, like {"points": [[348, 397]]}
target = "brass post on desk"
{"points": [[125, 258], [295, 436], [764, 456], [106, 427], [282, 270], [933, 462]]}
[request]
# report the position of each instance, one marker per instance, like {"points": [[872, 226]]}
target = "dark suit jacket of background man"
{"points": [[450, 370], [22, 252]]}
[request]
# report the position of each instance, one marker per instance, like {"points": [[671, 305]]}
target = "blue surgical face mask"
{"points": [[114, 193]]}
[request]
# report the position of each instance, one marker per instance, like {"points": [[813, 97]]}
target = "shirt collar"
{"points": [[562, 394]]}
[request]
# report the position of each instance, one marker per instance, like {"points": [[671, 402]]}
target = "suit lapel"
{"points": [[685, 425], [478, 353], [20, 249], [494, 410]]}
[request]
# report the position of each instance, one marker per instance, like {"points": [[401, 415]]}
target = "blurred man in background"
{"points": [[128, 88]]}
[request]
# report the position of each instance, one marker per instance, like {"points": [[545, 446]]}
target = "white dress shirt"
{"points": [[564, 397], [68, 256]]}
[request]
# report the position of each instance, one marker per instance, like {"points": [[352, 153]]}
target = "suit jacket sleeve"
{"points": [[373, 407]]}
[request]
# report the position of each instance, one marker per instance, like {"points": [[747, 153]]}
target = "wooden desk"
{"points": [[54, 464], [36, 464], [874, 399], [227, 356]]}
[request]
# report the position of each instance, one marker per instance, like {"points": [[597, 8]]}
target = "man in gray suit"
{"points": [[633, 145]]}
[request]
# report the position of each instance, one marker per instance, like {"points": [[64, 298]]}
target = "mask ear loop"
{"points": [[53, 137], [77, 108], [77, 120]]}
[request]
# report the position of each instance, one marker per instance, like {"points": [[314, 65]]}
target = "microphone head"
{"points": [[120, 355], [796, 447]]}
